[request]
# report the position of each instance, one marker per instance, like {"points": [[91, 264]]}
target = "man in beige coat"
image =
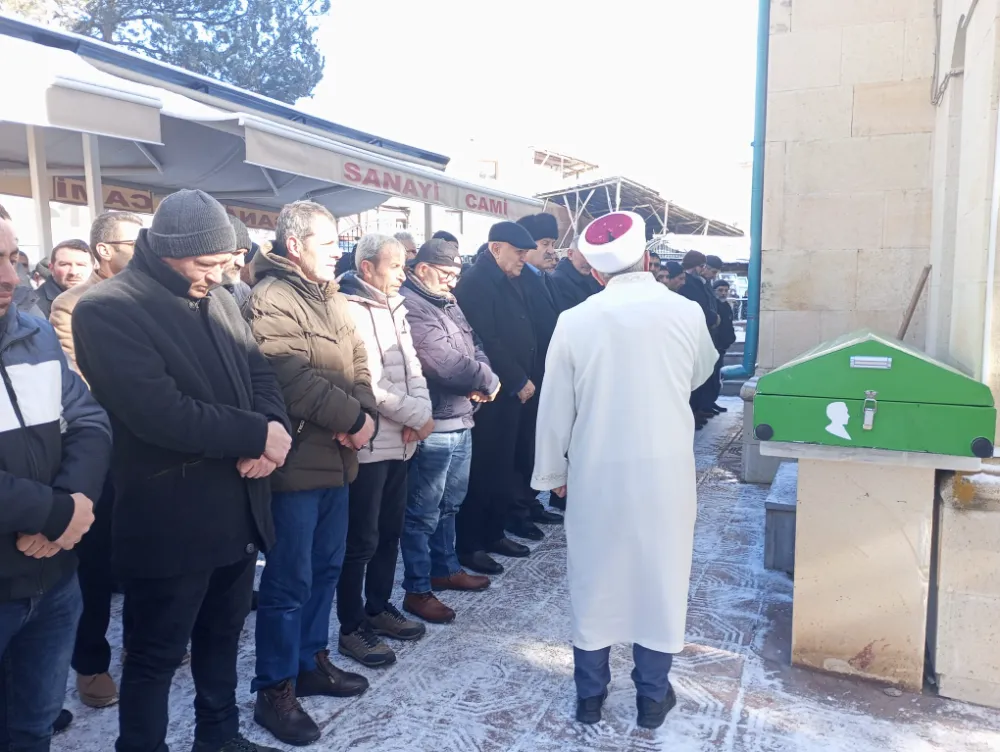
{"points": [[112, 242], [378, 495]]}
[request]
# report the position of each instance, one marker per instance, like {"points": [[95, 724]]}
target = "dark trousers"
{"points": [[207, 607], [715, 382], [483, 516], [298, 583], [36, 639], [525, 499], [92, 653], [651, 675], [377, 508]]}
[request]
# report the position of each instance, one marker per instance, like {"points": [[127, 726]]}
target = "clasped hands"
{"points": [[37, 546], [276, 449]]}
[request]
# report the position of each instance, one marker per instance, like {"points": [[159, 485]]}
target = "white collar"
{"points": [[631, 279]]}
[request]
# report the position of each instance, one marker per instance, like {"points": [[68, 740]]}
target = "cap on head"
{"points": [[540, 226], [694, 259], [720, 283], [713, 262], [513, 234], [242, 233], [674, 269], [190, 223], [438, 252], [444, 235], [614, 242]]}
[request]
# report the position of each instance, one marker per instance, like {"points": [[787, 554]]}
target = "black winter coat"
{"points": [[724, 335], [695, 288], [188, 394], [496, 308], [569, 288], [544, 315]]}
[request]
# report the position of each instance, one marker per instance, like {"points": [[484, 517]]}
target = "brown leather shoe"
{"points": [[428, 608], [461, 580]]}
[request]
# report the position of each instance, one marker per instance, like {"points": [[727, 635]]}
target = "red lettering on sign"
{"points": [[371, 178], [484, 205], [115, 199], [496, 206], [437, 193], [78, 192], [142, 202], [265, 222], [410, 188], [425, 188], [470, 201], [391, 182], [352, 172], [60, 188], [248, 218]]}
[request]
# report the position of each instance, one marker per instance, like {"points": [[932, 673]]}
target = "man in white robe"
{"points": [[630, 530]]}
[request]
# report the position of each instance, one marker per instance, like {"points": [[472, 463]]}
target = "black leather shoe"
{"points": [[526, 530], [63, 720], [239, 744], [326, 680], [557, 502], [589, 710], [543, 516], [719, 409], [481, 562], [507, 547], [254, 598], [652, 714], [277, 709]]}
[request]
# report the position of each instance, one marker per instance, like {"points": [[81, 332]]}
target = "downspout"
{"points": [[991, 261], [750, 346]]}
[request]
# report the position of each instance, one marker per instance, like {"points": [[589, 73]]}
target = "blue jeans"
{"points": [[438, 481], [36, 638], [651, 674], [298, 583]]}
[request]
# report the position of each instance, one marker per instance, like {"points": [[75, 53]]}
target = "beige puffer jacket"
{"points": [[398, 383]]}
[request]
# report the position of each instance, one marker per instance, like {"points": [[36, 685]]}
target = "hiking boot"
{"points": [[428, 608], [392, 624], [480, 561], [652, 714], [63, 720], [277, 709], [526, 529], [97, 691], [239, 744], [462, 581], [326, 680], [588, 710], [507, 547], [363, 646]]}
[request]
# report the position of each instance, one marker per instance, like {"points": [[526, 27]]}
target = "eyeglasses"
{"points": [[445, 274], [120, 242]]}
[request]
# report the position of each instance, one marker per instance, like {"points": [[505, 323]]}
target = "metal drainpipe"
{"points": [[750, 346]]}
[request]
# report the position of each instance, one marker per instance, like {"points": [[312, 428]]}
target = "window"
{"points": [[488, 169]]}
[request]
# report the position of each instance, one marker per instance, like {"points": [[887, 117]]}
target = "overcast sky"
{"points": [[661, 92]]}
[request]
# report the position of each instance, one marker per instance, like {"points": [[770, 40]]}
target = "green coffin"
{"points": [[913, 403]]}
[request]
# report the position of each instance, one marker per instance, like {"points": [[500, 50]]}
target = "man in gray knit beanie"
{"points": [[191, 223]]}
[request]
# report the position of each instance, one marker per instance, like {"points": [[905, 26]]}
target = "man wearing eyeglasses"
{"points": [[112, 242]]}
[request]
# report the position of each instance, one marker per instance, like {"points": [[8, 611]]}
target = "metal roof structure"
{"points": [[203, 88], [600, 197]]}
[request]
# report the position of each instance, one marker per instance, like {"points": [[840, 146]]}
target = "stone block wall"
{"points": [[848, 170]]}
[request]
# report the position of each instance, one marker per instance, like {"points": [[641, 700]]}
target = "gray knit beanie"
{"points": [[191, 223], [242, 233]]}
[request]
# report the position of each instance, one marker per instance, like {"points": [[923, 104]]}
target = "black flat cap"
{"points": [[438, 252], [674, 269], [444, 235], [713, 262], [513, 234], [540, 226]]}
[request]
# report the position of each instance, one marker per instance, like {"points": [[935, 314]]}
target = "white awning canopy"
{"points": [[55, 88]]}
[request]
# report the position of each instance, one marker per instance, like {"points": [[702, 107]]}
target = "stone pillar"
{"points": [[862, 567]]}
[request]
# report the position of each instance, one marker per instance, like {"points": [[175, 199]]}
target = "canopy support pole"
{"points": [[41, 188], [92, 175], [428, 222]]}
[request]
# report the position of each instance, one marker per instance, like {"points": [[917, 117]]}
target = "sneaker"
{"points": [[239, 744], [392, 624], [588, 710], [427, 607], [652, 714], [278, 710], [326, 680], [63, 720], [363, 646], [461, 581], [98, 691]]}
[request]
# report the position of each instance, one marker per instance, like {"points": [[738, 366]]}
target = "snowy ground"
{"points": [[500, 677]]}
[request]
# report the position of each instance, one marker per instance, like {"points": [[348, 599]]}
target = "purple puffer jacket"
{"points": [[450, 355]]}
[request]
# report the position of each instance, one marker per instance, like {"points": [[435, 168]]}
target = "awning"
{"points": [[54, 88]]}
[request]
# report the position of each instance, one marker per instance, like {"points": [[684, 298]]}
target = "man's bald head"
{"points": [[9, 257]]}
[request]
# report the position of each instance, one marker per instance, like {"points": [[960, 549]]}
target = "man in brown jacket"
{"points": [[303, 328], [112, 242]]}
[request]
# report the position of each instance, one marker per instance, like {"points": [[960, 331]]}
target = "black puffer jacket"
{"points": [[450, 355], [569, 288]]}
